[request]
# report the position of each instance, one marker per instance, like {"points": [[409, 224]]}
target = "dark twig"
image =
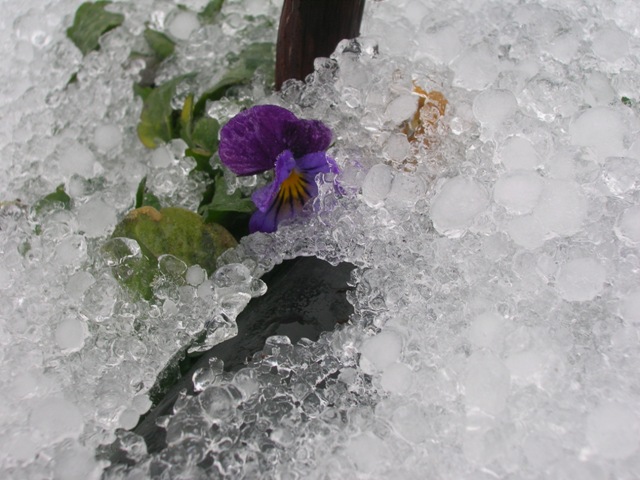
{"points": [[311, 29]]}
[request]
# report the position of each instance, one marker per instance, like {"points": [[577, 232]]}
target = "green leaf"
{"points": [[186, 119], [73, 79], [144, 198], [202, 161], [203, 143], [209, 13], [57, 199], [255, 56], [223, 202], [205, 135], [156, 120], [161, 45], [231, 211], [627, 101], [142, 91], [90, 22], [173, 231]]}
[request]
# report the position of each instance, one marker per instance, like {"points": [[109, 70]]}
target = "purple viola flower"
{"points": [[266, 137]]}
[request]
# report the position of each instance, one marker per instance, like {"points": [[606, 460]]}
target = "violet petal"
{"points": [[263, 222], [252, 140], [307, 136], [265, 196], [317, 162]]}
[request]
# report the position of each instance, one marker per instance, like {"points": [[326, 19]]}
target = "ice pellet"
{"points": [[475, 68], [562, 208], [600, 128], [628, 225], [57, 419], [78, 159], [107, 137], [486, 383], [610, 43], [613, 431], [494, 107], [70, 334], [401, 108], [183, 24], [382, 350], [518, 192], [377, 184], [486, 330], [458, 203], [96, 217], [518, 153], [396, 378], [581, 279]]}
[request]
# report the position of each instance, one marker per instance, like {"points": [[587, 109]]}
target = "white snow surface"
{"points": [[496, 331]]}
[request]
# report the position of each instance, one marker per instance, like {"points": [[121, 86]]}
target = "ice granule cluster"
{"points": [[496, 295]]}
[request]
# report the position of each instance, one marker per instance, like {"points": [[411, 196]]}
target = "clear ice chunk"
{"points": [[610, 43]]}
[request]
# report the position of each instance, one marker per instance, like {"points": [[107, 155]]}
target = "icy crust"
{"points": [[79, 355], [495, 332]]}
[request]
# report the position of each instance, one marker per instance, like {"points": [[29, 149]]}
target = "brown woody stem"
{"points": [[311, 29]]}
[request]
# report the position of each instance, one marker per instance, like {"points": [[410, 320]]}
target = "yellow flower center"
{"points": [[294, 190]]}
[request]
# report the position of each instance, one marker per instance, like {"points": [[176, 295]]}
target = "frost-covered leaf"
{"points": [[203, 143], [57, 199], [224, 202], [210, 12], [232, 211], [144, 198], [173, 231], [161, 45], [255, 56], [156, 120], [186, 119], [90, 22], [205, 135]]}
